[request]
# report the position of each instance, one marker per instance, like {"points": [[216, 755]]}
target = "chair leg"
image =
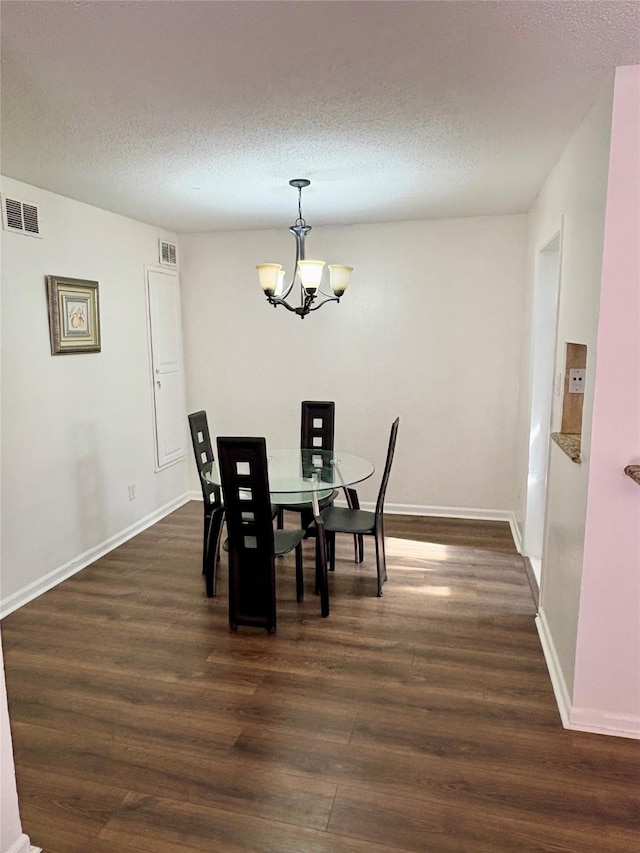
{"points": [[206, 530], [299, 578], [353, 502], [306, 517], [316, 587], [211, 555], [280, 519], [208, 522], [330, 537], [384, 557], [380, 561], [211, 577], [322, 581]]}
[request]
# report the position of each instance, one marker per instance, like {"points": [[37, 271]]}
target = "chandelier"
{"points": [[308, 274]]}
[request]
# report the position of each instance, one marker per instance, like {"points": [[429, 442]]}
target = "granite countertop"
{"points": [[569, 444], [633, 471]]}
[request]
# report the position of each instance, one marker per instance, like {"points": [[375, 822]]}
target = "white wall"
{"points": [[430, 329], [76, 429], [575, 190]]}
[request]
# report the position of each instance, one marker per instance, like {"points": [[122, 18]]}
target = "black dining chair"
{"points": [[362, 522], [316, 432], [252, 542], [211, 499], [317, 429]]}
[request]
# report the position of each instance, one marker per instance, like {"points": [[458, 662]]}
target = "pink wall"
{"points": [[607, 675], [12, 839]]}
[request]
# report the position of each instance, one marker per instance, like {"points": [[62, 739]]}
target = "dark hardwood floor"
{"points": [[421, 721]]}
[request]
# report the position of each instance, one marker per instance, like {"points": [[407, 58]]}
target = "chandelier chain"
{"points": [[300, 220]]}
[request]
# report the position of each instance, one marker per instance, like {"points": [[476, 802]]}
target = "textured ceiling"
{"points": [[194, 115]]}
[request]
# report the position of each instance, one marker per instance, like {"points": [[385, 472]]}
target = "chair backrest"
{"points": [[387, 467], [317, 425], [203, 453], [245, 483]]}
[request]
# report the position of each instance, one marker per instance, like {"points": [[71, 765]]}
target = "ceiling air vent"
{"points": [[21, 217], [168, 254]]}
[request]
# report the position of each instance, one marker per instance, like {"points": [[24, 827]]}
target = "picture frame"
{"points": [[74, 315]]}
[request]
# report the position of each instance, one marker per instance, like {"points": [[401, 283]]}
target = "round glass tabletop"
{"points": [[302, 472], [307, 471]]}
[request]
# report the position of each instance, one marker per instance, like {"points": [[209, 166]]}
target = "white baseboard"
{"points": [[22, 845], [443, 511], [516, 533], [33, 590], [447, 511], [536, 568], [576, 718], [604, 722], [472, 513], [563, 700]]}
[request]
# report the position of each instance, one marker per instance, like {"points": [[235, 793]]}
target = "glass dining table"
{"points": [[303, 475], [295, 476], [300, 476]]}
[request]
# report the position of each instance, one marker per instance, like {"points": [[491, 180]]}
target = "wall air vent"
{"points": [[168, 255], [21, 217]]}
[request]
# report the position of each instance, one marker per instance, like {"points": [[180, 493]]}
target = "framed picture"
{"points": [[74, 315]]}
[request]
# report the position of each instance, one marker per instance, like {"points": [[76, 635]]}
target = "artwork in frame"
{"points": [[74, 315]]}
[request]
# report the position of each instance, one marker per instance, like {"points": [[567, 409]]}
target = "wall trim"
{"points": [[533, 581], [472, 513], [604, 722], [36, 588], [516, 533], [573, 717], [22, 845], [558, 683]]}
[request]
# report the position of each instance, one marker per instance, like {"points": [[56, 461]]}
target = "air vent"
{"points": [[21, 217], [168, 255]]}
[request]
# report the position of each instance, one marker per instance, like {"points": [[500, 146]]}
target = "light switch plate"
{"points": [[577, 378]]}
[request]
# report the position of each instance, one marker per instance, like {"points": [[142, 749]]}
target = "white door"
{"points": [[163, 298]]}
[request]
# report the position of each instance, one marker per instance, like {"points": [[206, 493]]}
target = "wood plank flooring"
{"points": [[422, 721]]}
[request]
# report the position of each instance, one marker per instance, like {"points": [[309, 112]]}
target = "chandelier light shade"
{"points": [[271, 276], [307, 274]]}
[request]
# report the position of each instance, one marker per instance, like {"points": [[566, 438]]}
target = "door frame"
{"points": [[173, 273], [544, 336]]}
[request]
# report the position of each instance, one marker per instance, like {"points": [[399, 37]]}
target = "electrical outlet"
{"points": [[577, 380], [132, 491]]}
